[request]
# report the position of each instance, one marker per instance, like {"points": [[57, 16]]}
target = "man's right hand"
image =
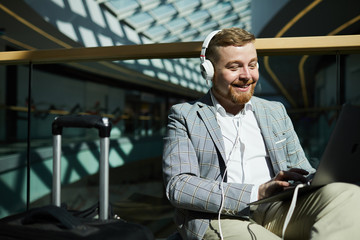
{"points": [[280, 182]]}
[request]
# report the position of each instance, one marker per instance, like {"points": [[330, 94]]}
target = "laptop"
{"points": [[340, 161]]}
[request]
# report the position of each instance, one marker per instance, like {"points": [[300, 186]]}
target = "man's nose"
{"points": [[245, 72]]}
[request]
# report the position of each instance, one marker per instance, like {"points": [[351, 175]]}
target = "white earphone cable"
{"points": [[291, 208], [221, 204], [222, 181]]}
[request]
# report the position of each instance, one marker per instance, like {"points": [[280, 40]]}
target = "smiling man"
{"points": [[230, 148], [236, 76]]}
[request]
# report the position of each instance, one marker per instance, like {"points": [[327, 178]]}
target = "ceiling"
{"points": [[28, 25], [181, 20]]}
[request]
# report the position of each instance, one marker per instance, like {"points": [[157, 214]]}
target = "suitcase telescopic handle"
{"points": [[83, 121]]}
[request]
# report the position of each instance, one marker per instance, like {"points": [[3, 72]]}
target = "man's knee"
{"points": [[338, 212], [338, 196], [337, 188]]}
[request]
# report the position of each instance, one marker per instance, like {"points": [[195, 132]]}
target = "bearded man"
{"points": [[230, 148]]}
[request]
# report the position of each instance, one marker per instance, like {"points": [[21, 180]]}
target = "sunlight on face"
{"points": [[236, 74]]}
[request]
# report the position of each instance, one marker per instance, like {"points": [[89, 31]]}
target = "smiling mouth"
{"points": [[242, 86]]}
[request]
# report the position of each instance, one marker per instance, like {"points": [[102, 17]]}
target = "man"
{"points": [[230, 148]]}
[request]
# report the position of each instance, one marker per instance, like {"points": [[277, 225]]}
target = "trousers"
{"points": [[330, 212]]}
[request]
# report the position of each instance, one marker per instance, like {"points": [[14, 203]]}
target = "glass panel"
{"points": [[140, 19], [123, 6], [183, 5], [156, 32], [138, 115], [177, 25], [220, 9], [352, 76], [309, 88], [164, 11], [13, 140], [198, 16]]}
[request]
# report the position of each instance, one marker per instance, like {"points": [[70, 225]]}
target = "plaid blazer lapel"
{"points": [[207, 114], [262, 116]]}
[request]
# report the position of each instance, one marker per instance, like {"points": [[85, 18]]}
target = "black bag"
{"points": [[54, 222]]}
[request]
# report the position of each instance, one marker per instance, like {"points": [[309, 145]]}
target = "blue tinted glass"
{"points": [[157, 30], [140, 19], [164, 10], [198, 15], [122, 5]]}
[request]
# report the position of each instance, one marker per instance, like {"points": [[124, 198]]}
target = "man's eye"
{"points": [[252, 66], [233, 67]]}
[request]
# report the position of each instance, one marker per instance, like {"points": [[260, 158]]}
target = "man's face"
{"points": [[236, 75]]}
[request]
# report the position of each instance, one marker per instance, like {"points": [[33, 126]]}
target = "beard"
{"points": [[238, 98]]}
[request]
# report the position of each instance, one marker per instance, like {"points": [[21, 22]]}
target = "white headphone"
{"points": [[206, 67]]}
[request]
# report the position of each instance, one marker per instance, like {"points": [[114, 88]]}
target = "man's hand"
{"points": [[280, 182]]}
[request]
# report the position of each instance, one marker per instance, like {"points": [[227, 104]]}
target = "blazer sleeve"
{"points": [[187, 187]]}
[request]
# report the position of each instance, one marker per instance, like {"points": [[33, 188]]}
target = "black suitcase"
{"points": [[56, 222]]}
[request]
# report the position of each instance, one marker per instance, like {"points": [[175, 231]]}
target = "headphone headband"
{"points": [[206, 44]]}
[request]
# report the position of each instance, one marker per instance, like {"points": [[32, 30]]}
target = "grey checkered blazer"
{"points": [[194, 161]]}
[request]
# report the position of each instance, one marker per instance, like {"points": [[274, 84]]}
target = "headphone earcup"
{"points": [[207, 70]]}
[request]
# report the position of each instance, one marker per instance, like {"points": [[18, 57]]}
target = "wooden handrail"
{"points": [[343, 44]]}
